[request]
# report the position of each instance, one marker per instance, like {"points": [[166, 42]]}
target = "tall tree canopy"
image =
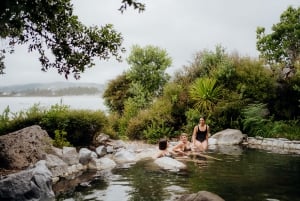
{"points": [[143, 81], [147, 68], [51, 25], [283, 44]]}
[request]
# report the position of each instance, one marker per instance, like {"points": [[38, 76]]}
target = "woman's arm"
{"points": [[157, 155], [178, 146], [194, 136], [208, 132]]}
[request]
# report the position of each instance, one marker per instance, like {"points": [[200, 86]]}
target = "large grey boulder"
{"points": [[85, 155], [28, 185], [227, 137], [70, 155], [101, 164], [56, 165], [168, 163], [124, 156], [200, 196], [24, 147]]}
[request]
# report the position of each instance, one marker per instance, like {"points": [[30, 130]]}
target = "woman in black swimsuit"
{"points": [[200, 135]]}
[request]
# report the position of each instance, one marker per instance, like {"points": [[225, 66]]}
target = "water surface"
{"points": [[254, 175]]}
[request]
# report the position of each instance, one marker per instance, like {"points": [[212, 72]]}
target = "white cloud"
{"points": [[180, 27]]}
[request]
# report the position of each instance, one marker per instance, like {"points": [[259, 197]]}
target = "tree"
{"points": [[147, 68], [145, 79], [283, 44], [116, 93], [50, 25]]}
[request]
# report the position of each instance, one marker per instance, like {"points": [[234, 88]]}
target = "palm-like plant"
{"points": [[205, 94]]}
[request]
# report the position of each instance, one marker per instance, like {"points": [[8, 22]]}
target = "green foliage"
{"points": [[283, 44], [131, 109], [156, 131], [116, 93], [112, 125], [60, 139], [158, 114], [15, 121], [192, 118], [285, 129], [256, 122], [254, 81], [204, 64], [211, 60], [225, 73], [80, 125], [4, 120], [255, 119], [147, 68], [179, 98], [51, 25], [205, 93]]}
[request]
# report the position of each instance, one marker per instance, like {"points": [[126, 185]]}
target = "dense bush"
{"points": [[77, 127], [152, 123]]}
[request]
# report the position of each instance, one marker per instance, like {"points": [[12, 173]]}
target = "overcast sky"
{"points": [[180, 27]]}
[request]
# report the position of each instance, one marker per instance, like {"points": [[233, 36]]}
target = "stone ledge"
{"points": [[278, 145]]}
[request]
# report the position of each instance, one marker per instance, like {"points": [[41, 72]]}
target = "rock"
{"points": [[28, 185], [200, 196], [101, 151], [70, 155], [101, 164], [147, 153], [169, 164], [24, 147], [101, 139], [85, 156], [124, 156], [233, 150], [109, 149], [56, 165], [227, 137]]}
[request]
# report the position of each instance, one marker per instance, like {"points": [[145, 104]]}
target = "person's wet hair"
{"points": [[163, 144], [184, 134]]}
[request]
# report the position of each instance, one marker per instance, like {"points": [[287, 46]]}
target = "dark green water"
{"points": [[252, 176]]}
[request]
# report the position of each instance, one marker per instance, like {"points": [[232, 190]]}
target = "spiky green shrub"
{"points": [[205, 94]]}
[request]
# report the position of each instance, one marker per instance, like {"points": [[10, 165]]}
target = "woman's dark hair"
{"points": [[163, 144]]}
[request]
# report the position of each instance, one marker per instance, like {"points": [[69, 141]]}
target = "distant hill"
{"points": [[53, 89]]}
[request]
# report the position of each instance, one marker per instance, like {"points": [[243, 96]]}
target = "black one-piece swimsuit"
{"points": [[201, 135]]}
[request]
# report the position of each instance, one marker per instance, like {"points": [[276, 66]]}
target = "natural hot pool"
{"points": [[255, 175]]}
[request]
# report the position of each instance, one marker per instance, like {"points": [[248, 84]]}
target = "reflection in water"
{"points": [[251, 176]]}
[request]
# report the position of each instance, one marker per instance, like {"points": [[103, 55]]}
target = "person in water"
{"points": [[200, 135], [184, 146], [163, 146]]}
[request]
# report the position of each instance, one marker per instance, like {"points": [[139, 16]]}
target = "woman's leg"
{"points": [[204, 145], [201, 146]]}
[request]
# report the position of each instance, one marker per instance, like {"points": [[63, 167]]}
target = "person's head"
{"points": [[202, 121], [163, 144], [184, 137]]}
